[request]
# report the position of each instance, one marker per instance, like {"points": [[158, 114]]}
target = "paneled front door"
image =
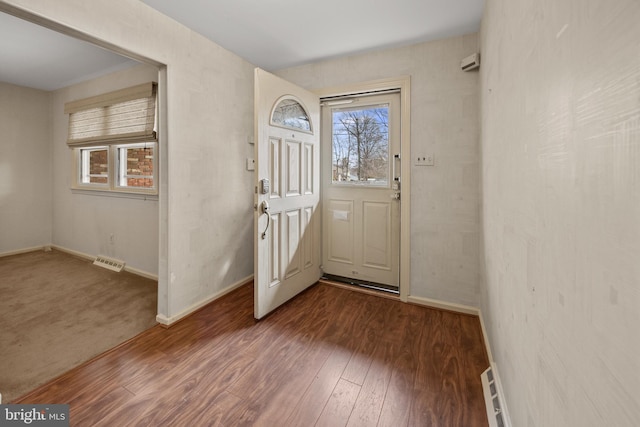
{"points": [[287, 230]]}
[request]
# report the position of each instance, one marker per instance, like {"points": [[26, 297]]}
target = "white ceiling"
{"points": [[274, 34], [271, 34], [34, 56]]}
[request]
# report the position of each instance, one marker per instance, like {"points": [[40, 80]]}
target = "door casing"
{"points": [[403, 83]]}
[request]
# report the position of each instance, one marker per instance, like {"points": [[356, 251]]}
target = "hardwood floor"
{"points": [[330, 357]]}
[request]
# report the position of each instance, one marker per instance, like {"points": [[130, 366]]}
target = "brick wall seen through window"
{"points": [[139, 171]]}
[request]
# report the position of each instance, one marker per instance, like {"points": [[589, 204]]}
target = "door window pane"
{"points": [[360, 149], [289, 113]]}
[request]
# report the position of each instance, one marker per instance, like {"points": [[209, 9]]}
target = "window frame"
{"points": [[121, 166], [84, 163], [113, 186]]}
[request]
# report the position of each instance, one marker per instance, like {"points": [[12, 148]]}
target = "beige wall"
{"points": [[444, 121], [37, 206], [560, 239], [560, 102], [205, 203], [25, 168], [85, 222]]}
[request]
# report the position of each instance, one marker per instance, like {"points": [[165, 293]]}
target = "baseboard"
{"points": [[88, 257], [24, 250], [140, 273], [169, 321], [74, 253], [487, 345], [443, 305]]}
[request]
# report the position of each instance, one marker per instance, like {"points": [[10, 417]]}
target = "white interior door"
{"points": [[287, 232], [361, 188]]}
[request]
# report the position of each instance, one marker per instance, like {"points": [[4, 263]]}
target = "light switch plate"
{"points": [[251, 164], [425, 160]]}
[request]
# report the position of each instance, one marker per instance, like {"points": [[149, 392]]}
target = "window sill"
{"points": [[112, 193]]}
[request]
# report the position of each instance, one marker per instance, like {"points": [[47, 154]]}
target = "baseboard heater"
{"points": [[494, 399], [109, 263]]}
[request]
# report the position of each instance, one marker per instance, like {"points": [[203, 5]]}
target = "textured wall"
{"points": [[85, 222], [206, 213], [560, 103], [25, 168], [444, 121]]}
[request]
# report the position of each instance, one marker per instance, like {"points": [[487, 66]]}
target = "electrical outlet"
{"points": [[425, 160]]}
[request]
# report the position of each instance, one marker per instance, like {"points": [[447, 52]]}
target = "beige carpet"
{"points": [[57, 311]]}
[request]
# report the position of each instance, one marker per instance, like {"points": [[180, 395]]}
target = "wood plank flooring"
{"points": [[330, 357]]}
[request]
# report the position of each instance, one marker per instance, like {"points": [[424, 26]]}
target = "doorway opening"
{"points": [[288, 170], [361, 184]]}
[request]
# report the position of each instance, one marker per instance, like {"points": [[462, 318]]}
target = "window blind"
{"points": [[124, 116]]}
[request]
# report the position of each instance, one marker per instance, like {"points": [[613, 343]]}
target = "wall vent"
{"points": [[471, 62], [494, 399], [109, 263]]}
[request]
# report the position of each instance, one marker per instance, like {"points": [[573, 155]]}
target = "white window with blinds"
{"points": [[114, 140]]}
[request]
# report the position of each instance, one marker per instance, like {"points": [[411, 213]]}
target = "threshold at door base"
{"points": [[361, 286]]}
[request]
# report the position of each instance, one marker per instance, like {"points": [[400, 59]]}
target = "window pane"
{"points": [[289, 113], [360, 152], [136, 166], [95, 166]]}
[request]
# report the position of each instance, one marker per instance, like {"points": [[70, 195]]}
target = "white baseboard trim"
{"points": [[74, 253], [24, 250], [433, 303], [487, 345], [168, 321], [88, 257], [140, 273]]}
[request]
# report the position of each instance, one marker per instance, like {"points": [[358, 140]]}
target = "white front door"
{"points": [[287, 230], [361, 188]]}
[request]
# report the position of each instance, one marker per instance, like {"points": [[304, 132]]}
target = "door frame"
{"points": [[163, 315], [404, 84]]}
